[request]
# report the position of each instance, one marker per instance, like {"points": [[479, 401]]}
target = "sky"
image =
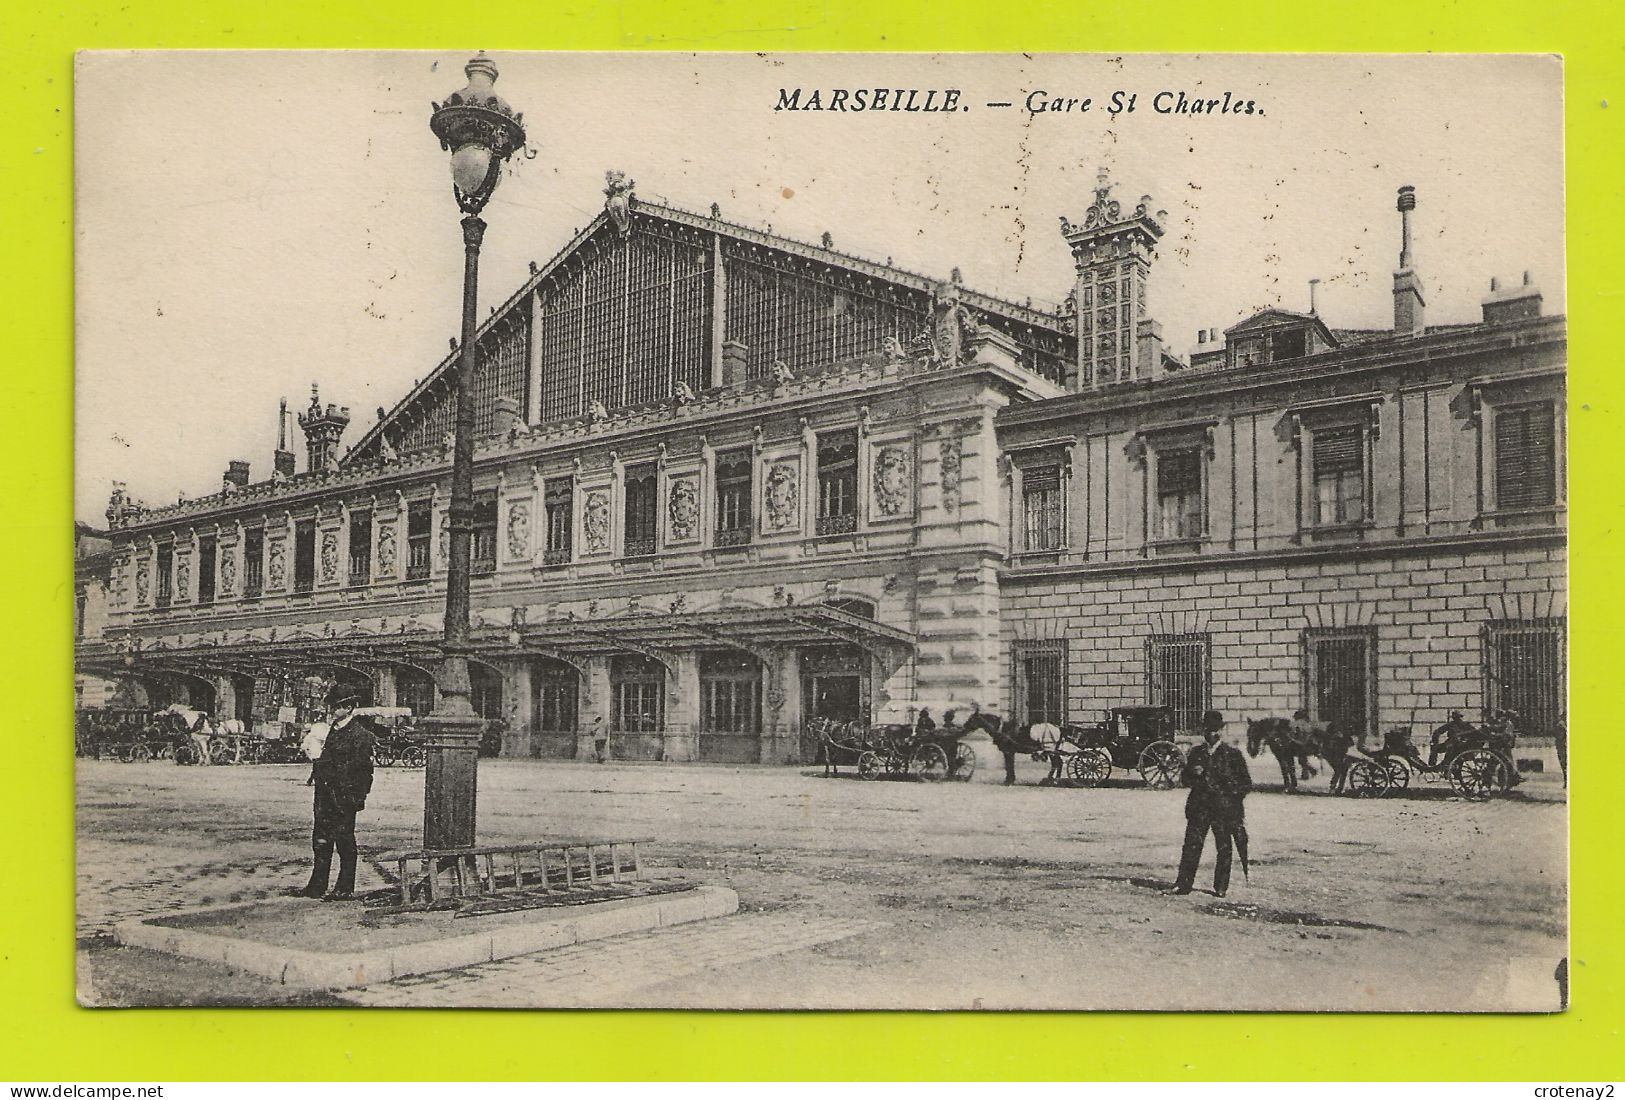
{"points": [[248, 223]]}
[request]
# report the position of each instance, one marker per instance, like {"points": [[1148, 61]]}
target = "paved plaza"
{"points": [[889, 894]]}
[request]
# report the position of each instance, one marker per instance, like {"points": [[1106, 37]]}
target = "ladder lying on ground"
{"points": [[496, 877]]}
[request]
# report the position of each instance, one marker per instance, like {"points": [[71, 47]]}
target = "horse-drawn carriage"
{"points": [[397, 741], [899, 745], [1476, 761], [1134, 738]]}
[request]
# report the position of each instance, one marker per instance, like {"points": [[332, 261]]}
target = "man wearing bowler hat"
{"points": [[343, 774], [1217, 776]]}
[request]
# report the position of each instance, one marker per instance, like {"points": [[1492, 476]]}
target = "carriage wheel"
{"points": [[1478, 774], [185, 753], [1160, 765], [896, 763], [381, 756], [1089, 767], [1399, 773], [964, 762], [1365, 780], [930, 763], [140, 754], [414, 756], [870, 765]]}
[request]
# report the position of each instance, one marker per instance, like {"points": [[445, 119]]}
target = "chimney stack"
{"points": [[1314, 286], [236, 475], [282, 460], [1408, 302], [1517, 302]]}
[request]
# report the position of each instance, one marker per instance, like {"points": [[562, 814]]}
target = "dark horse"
{"points": [[1292, 748]]}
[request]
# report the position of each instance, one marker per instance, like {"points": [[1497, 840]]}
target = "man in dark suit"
{"points": [[343, 775], [1217, 776]]}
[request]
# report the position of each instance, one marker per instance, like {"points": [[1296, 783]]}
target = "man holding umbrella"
{"points": [[1217, 776], [343, 774]]}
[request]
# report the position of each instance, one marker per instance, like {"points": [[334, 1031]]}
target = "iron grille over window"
{"points": [[304, 555], [559, 501], [253, 561], [1039, 674], [483, 547], [1339, 467], [1526, 670], [555, 703], [730, 693], [1177, 677], [837, 483], [418, 534], [733, 498], [166, 578], [360, 547], [1179, 494], [641, 511], [637, 688], [1525, 456], [205, 569], [1340, 678], [1043, 507]]}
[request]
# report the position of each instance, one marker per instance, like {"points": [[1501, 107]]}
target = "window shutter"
{"points": [[1525, 456], [1041, 479], [1179, 471], [1338, 449]]}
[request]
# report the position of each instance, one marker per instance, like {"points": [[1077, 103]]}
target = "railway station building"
{"points": [[727, 482]]}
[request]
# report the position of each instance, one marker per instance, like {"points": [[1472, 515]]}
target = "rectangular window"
{"points": [[166, 576], [1293, 344], [253, 561], [1340, 678], [1338, 457], [837, 483], [1039, 675], [1525, 456], [482, 551], [1526, 670], [733, 498], [360, 547], [1177, 677], [641, 511], [419, 535], [1042, 507], [1179, 495], [304, 555], [559, 502], [205, 569]]}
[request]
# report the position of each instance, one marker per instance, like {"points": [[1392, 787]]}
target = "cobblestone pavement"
{"points": [[898, 895], [610, 973]]}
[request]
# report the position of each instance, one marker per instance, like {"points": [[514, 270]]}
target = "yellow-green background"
{"points": [[45, 1037]]}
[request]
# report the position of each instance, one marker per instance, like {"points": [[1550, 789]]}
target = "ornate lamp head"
{"points": [[480, 131]]}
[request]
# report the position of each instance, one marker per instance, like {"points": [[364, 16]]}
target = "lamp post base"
{"points": [[452, 746]]}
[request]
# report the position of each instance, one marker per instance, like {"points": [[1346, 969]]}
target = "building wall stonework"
{"points": [[1428, 610]]}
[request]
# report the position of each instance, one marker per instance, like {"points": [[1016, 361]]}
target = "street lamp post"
{"points": [[480, 131]]}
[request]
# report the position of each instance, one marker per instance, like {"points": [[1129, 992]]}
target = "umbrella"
{"points": [[1241, 848]]}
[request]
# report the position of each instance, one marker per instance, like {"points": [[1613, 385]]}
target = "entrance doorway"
{"points": [[835, 686]]}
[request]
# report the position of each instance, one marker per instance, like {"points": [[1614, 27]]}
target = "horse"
{"points": [[1012, 738], [1292, 747]]}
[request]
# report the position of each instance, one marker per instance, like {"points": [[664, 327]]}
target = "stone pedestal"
{"points": [[451, 778]]}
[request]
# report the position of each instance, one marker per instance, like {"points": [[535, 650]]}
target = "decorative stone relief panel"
{"points": [[781, 496], [892, 481], [276, 569], [445, 539], [950, 471], [330, 556], [683, 509], [519, 530], [386, 549], [228, 571], [595, 520], [143, 583], [183, 577]]}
